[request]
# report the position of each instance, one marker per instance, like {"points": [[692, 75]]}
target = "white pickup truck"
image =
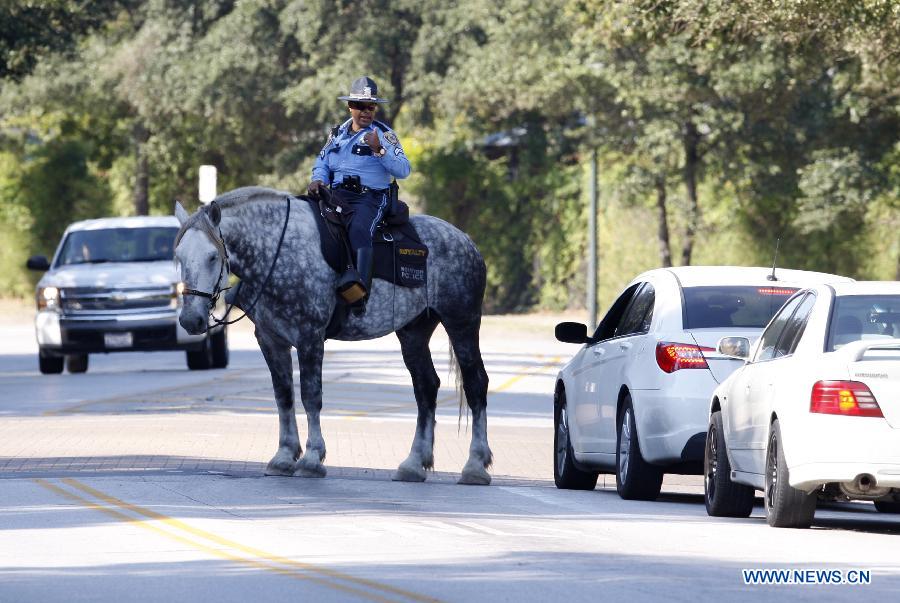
{"points": [[112, 286]]}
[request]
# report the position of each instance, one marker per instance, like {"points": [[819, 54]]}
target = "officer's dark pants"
{"points": [[368, 210]]}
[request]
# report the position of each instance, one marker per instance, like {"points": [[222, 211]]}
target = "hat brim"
{"points": [[363, 99]]}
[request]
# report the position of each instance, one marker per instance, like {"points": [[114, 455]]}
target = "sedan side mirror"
{"points": [[734, 347], [38, 262], [571, 332]]}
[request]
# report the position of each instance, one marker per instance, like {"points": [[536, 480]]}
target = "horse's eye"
{"points": [[212, 259]]}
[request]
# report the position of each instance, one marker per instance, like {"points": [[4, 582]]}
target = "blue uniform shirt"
{"points": [[346, 154]]}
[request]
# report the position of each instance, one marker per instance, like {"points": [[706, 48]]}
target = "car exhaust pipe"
{"points": [[864, 486]]}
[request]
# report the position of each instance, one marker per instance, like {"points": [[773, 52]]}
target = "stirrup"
{"points": [[350, 287]]}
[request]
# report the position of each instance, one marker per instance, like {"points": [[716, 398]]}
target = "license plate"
{"points": [[118, 340]]}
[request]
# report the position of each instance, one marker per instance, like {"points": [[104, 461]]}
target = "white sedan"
{"points": [[634, 399], [814, 414]]}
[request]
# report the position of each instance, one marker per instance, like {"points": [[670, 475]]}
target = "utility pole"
{"points": [[592, 247]]}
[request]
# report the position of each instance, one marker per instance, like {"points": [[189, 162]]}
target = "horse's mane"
{"points": [[229, 200]]}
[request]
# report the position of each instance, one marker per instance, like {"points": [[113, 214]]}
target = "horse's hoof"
{"points": [[280, 469], [475, 477], [405, 474], [317, 471]]}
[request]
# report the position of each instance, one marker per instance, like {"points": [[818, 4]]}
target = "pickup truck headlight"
{"points": [[48, 298]]}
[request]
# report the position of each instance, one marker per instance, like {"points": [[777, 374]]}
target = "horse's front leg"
{"points": [[310, 358], [278, 357]]}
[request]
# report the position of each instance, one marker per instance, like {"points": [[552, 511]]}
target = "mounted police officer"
{"points": [[357, 164]]}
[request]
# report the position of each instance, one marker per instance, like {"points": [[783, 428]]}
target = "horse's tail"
{"points": [[456, 375]]}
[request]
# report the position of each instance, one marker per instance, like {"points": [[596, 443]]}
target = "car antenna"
{"points": [[772, 276]]}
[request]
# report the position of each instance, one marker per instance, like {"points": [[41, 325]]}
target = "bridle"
{"points": [[224, 268]]}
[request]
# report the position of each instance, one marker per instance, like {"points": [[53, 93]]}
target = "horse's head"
{"points": [[202, 262]]}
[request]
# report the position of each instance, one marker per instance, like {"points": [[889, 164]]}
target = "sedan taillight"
{"points": [[849, 398], [676, 356]]}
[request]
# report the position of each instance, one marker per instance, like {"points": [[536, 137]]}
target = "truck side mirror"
{"points": [[38, 262]]}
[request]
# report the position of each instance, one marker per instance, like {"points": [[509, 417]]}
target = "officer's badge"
{"points": [[391, 138]]}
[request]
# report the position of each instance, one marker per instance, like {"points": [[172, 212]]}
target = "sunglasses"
{"points": [[363, 106]]}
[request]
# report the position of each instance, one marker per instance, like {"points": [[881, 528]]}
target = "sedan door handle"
{"points": [[625, 345], [599, 351]]}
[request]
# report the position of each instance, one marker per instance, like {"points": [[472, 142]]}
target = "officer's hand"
{"points": [[314, 188], [372, 140]]}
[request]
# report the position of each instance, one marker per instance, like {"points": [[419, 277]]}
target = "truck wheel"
{"points": [[50, 365], [219, 348], [202, 359], [77, 363]]}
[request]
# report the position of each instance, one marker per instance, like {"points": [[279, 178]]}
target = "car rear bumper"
{"points": [[839, 449], [812, 475], [672, 422], [154, 332]]}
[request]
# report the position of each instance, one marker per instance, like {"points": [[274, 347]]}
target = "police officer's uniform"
{"points": [[361, 177]]}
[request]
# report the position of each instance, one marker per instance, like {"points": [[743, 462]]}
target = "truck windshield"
{"points": [[863, 317], [717, 307], [151, 244]]}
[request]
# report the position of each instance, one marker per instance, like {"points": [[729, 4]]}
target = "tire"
{"points": [[724, 498], [885, 506], [202, 359], [565, 474], [50, 365], [636, 479], [219, 348], [786, 507], [77, 363]]}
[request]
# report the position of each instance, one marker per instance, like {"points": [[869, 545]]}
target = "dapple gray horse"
{"points": [[239, 233]]}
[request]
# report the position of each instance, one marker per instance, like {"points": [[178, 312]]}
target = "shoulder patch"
{"points": [[391, 138]]}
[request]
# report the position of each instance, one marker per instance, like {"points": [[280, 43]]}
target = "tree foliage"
{"points": [[717, 120]]}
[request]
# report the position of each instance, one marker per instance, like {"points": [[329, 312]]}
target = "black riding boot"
{"points": [[364, 261]]}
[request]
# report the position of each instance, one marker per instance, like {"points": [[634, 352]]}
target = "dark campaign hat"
{"points": [[363, 89]]}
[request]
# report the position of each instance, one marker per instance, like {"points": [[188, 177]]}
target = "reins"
{"points": [[214, 296]]}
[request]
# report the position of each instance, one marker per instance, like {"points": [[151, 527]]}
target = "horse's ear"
{"points": [[214, 213], [180, 212]]}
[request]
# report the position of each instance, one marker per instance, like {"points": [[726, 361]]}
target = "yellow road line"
{"points": [[88, 504], [305, 567], [526, 372]]}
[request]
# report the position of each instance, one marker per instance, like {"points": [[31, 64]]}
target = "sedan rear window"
{"points": [[863, 317], [150, 244], [717, 307]]}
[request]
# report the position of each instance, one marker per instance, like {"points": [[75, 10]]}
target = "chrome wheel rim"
{"points": [[562, 441], [712, 463], [624, 444]]}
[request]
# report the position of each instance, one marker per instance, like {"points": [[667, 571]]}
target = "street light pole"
{"points": [[592, 247]]}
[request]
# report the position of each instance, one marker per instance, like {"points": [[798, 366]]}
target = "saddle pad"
{"points": [[400, 256]]}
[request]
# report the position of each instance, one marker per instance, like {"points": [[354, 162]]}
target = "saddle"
{"points": [[399, 255]]}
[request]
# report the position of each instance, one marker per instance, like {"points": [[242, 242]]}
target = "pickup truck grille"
{"points": [[98, 300]]}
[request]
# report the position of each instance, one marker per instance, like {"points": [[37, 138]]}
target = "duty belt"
{"points": [[359, 189]]}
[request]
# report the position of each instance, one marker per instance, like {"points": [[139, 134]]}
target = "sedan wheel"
{"points": [[636, 479], [724, 498], [565, 474], [786, 506]]}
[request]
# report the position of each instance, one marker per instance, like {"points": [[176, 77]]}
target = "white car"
{"points": [[815, 411], [112, 287], [634, 400]]}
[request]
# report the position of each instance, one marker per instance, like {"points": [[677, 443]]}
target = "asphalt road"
{"points": [[141, 480]]}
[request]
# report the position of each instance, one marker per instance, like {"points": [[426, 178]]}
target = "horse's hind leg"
{"points": [[278, 358], [464, 339], [310, 358], [417, 356]]}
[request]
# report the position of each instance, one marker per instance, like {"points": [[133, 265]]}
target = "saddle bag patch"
{"points": [[411, 263]]}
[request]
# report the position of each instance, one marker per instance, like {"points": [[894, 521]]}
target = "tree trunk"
{"points": [[691, 162], [141, 170], [665, 252]]}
